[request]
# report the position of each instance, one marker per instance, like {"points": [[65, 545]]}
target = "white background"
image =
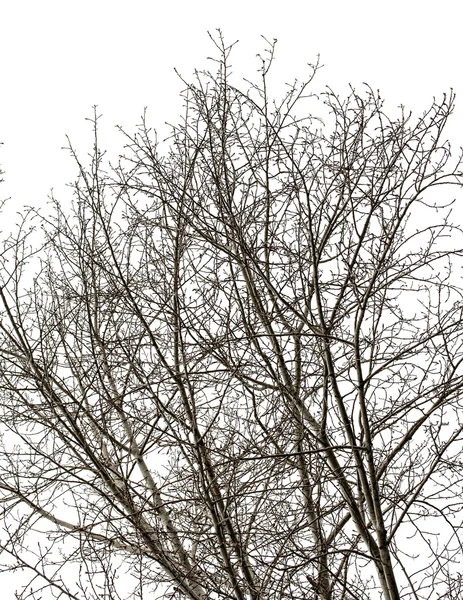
{"points": [[59, 58]]}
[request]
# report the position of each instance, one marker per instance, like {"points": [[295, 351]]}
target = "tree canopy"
{"points": [[233, 367]]}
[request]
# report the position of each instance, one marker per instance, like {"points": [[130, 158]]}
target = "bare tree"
{"points": [[237, 371]]}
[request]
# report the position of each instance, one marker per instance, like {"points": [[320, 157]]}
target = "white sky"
{"points": [[58, 58]]}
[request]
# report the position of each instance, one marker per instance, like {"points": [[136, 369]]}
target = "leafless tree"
{"points": [[237, 370]]}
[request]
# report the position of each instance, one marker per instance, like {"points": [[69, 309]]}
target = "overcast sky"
{"points": [[59, 58]]}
